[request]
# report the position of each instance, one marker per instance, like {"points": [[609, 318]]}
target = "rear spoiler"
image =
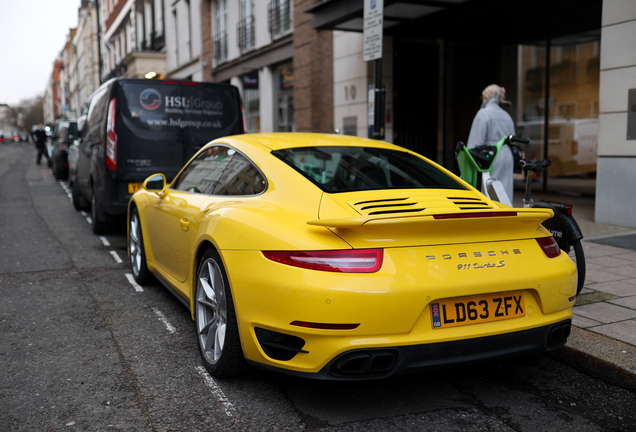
{"points": [[529, 216]]}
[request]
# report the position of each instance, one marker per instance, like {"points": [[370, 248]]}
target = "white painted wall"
{"points": [[187, 62], [266, 93], [615, 203], [351, 81], [261, 33]]}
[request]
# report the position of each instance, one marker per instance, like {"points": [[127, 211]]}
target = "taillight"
{"points": [[342, 261], [568, 210], [111, 138], [549, 246]]}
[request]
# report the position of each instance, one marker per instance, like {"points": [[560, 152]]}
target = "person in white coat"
{"points": [[490, 125]]}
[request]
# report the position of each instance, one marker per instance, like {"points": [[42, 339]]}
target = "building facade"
{"points": [[67, 107], [568, 69], [249, 44], [132, 38], [616, 203], [6, 125], [83, 67], [183, 40], [52, 94]]}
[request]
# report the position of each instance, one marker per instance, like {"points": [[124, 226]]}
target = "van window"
{"points": [[96, 114]]}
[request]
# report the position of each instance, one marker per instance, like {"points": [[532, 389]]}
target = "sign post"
{"points": [[372, 51]]}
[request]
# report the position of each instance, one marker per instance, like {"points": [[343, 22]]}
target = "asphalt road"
{"points": [[82, 349]]}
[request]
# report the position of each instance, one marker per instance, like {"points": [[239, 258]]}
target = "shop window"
{"points": [[285, 99], [251, 96], [572, 107]]}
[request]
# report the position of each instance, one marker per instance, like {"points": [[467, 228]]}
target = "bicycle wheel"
{"points": [[580, 264]]}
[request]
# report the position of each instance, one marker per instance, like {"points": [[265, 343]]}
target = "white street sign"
{"points": [[373, 18]]}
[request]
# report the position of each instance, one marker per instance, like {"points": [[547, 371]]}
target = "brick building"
{"points": [[281, 65]]}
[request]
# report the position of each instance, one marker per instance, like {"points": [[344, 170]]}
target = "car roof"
{"points": [[284, 140]]}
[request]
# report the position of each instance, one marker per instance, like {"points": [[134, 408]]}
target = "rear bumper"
{"points": [[377, 363]]}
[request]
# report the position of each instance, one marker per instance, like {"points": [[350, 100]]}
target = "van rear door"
{"points": [[160, 125]]}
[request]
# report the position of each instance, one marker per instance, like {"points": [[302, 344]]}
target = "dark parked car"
{"points": [[73, 150], [138, 127], [64, 134]]}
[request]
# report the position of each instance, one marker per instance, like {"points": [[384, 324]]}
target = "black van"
{"points": [[138, 127]]}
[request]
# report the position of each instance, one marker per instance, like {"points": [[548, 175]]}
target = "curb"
{"points": [[600, 356]]}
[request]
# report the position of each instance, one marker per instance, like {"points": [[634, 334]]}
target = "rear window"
{"points": [[201, 109], [345, 169]]}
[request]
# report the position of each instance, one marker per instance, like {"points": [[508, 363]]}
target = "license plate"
{"points": [[134, 187], [475, 310]]}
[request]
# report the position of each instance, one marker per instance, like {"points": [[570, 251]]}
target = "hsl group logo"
{"points": [[150, 99]]}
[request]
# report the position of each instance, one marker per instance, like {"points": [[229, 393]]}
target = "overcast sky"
{"points": [[32, 33]]}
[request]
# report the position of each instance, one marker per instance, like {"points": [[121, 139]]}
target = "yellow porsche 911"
{"points": [[342, 258]]}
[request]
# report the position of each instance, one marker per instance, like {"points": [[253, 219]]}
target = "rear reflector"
{"points": [[473, 215], [342, 261], [549, 246], [568, 210], [324, 326]]}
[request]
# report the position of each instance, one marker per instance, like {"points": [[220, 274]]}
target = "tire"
{"points": [[79, 203], [215, 320], [57, 172], [580, 265], [136, 250], [99, 225]]}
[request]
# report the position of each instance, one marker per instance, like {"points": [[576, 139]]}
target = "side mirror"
{"points": [[156, 183]]}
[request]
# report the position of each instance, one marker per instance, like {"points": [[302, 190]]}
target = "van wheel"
{"points": [[79, 203], [57, 172], [99, 225]]}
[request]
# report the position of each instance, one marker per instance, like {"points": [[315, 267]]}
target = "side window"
{"points": [[241, 177], [96, 115], [204, 172], [221, 170]]}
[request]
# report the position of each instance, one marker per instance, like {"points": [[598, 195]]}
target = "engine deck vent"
{"points": [[388, 206]]}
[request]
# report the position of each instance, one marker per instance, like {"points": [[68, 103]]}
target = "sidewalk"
{"points": [[603, 339]]}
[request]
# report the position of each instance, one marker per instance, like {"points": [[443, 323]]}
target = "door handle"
{"points": [[185, 223]]}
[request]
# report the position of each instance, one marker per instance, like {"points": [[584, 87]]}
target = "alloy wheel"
{"points": [[211, 311], [135, 245]]}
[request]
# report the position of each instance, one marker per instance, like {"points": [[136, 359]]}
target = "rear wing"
{"points": [[439, 227], [526, 216]]}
